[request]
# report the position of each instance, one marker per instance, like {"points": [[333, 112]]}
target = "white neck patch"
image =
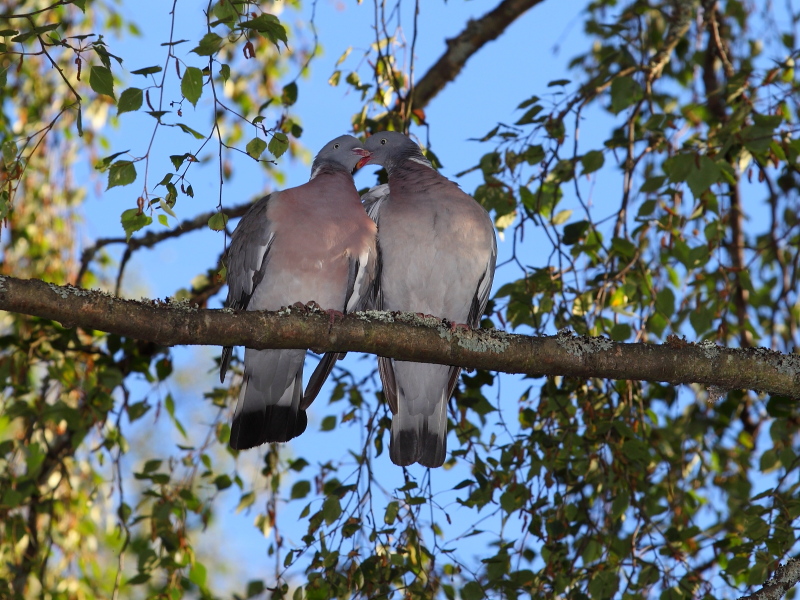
{"points": [[422, 161]]}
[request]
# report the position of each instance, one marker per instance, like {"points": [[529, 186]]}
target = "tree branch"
{"points": [[785, 577], [152, 238], [460, 48], [406, 336]]}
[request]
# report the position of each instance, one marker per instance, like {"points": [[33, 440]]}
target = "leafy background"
{"points": [[640, 162]]}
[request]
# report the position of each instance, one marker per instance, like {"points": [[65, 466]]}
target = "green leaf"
{"points": [[494, 197], [530, 115], [147, 71], [256, 587], [647, 208], [756, 138], [700, 320], [679, 166], [557, 82], [218, 221], [137, 410], [328, 423], [124, 512], [197, 135], [621, 332], [225, 72], [246, 500], [574, 232], [192, 84], [268, 26], [177, 160], [528, 102], [391, 512], [472, 591], [223, 482], [592, 161], [603, 584], [256, 147], [157, 114], [633, 450], [289, 94], [102, 81], [133, 220], [138, 579], [166, 207], [331, 509], [534, 154], [298, 465], [151, 466], [278, 144], [122, 172], [703, 176], [301, 489], [561, 217], [624, 92], [36, 31], [9, 151], [665, 302], [163, 368], [130, 100], [102, 164], [512, 500], [197, 575], [652, 184], [210, 44], [624, 247]]}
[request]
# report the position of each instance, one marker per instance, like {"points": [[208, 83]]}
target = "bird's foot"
{"points": [[335, 314], [456, 326]]}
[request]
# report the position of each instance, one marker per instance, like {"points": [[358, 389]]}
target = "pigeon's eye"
{"points": [[383, 142], [336, 146]]}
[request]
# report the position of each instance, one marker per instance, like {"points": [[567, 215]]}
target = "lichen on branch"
{"points": [[406, 336]]}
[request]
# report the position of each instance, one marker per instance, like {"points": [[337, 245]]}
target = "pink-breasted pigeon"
{"points": [[437, 256], [310, 243]]}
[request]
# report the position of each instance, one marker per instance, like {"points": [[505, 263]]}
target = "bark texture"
{"points": [[406, 336]]}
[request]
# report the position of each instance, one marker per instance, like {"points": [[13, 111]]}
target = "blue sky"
{"points": [[488, 90], [494, 82]]}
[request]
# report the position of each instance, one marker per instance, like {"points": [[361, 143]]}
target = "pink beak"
{"points": [[365, 154]]}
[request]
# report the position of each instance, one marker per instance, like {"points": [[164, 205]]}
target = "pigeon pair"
{"points": [[433, 252]]}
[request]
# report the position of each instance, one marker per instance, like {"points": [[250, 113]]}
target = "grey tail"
{"points": [[419, 429], [319, 376], [268, 409], [225, 362]]}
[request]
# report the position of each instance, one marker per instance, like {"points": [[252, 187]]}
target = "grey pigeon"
{"points": [[310, 243], [438, 251]]}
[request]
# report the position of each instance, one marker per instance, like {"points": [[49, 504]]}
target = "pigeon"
{"points": [[311, 243], [437, 252]]}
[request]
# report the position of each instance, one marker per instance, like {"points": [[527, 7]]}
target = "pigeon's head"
{"points": [[390, 149], [344, 152]]}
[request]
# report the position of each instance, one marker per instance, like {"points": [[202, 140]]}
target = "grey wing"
{"points": [[246, 260], [481, 298], [373, 200], [362, 284], [362, 280]]}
